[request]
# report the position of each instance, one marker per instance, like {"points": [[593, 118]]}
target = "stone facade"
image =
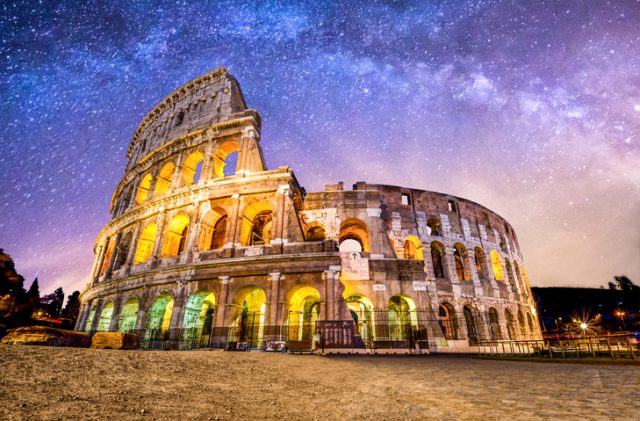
{"points": [[205, 239]]}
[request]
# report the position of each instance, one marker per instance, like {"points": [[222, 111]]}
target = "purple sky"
{"points": [[530, 108]]}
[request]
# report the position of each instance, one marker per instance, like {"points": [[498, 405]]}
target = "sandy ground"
{"points": [[62, 383]]}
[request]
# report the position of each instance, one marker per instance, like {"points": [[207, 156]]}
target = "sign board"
{"points": [[419, 286], [336, 333], [379, 287]]}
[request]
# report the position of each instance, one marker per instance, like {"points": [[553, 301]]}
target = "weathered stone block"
{"points": [[42, 335], [114, 340]]}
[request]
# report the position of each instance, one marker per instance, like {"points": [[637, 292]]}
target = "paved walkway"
{"points": [[41, 382]]}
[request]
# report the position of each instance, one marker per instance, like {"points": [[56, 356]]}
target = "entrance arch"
{"points": [[401, 311], [198, 317], [470, 320], [304, 312], [105, 318], [128, 315], [248, 325], [361, 309], [160, 315]]}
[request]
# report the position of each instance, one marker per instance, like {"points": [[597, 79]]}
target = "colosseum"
{"points": [[206, 247]]}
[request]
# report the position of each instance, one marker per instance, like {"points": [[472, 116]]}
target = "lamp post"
{"points": [[621, 314]]}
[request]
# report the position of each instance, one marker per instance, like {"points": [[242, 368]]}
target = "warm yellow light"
{"points": [[583, 325]]}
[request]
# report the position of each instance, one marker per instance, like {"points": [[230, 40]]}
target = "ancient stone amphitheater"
{"points": [[208, 248]]}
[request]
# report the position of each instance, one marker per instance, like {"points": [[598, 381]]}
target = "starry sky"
{"points": [[531, 108]]}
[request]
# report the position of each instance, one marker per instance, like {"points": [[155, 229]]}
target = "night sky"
{"points": [[531, 108]]}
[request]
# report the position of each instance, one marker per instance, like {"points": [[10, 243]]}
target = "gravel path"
{"points": [[53, 383]]}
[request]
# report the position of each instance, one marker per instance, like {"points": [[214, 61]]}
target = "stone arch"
{"points": [[198, 316], [437, 259], [447, 321], [304, 311], [145, 244], [122, 250], [530, 323], [361, 309], [160, 312], [105, 317], [403, 321], [472, 321], [143, 188], [511, 325], [220, 157], [496, 263], [191, 170], [509, 274], [175, 237], [480, 261], [248, 316], [111, 245], [90, 317], [518, 272], [494, 324], [413, 248], [460, 257], [165, 176], [257, 220], [435, 226], [129, 315], [523, 328], [356, 230], [315, 232], [213, 229]]}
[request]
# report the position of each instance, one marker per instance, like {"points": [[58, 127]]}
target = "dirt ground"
{"points": [[61, 383]]}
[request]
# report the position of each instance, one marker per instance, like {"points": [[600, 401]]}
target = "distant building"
{"points": [[206, 242]]}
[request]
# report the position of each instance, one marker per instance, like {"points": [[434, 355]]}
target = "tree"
{"points": [[52, 303], [33, 295], [72, 308]]}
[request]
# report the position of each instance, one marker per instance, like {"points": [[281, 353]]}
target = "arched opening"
{"points": [[511, 325], [160, 316], [213, 230], [446, 320], [105, 318], [145, 244], [304, 312], [523, 328], [225, 160], [248, 326], [176, 236], [353, 229], [107, 256], [128, 316], [480, 261], [510, 276], [434, 226], [496, 263], [198, 318], [163, 182], [256, 224], [437, 259], [315, 232], [192, 168], [89, 323], [123, 250], [503, 246], [470, 321], [361, 309], [460, 257], [413, 248], [518, 272], [530, 323], [494, 325], [143, 188], [402, 316]]}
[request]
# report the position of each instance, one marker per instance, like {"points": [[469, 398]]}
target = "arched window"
{"points": [[523, 328], [413, 248], [496, 262], [494, 324], [511, 325], [105, 318], [146, 243], [176, 236], [480, 261], [179, 118], [143, 188], [518, 272], [256, 224], [437, 259], [353, 229], [225, 160], [402, 318], [123, 250], [315, 233], [470, 321], [107, 255], [192, 168], [446, 321], [163, 182], [198, 318], [510, 278], [435, 228], [248, 320], [128, 316], [304, 312], [361, 309], [459, 256], [213, 230]]}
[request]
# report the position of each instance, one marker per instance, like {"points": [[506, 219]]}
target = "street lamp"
{"points": [[621, 314]]}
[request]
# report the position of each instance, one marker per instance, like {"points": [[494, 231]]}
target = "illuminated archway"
{"points": [[105, 318], [192, 168], [315, 232], [160, 315], [176, 237], [361, 309], [413, 248], [460, 258], [470, 317], [122, 251], [198, 316], [145, 244], [354, 229], [480, 260], [128, 315], [446, 320], [89, 323], [248, 326], [496, 263], [256, 224], [304, 312], [511, 325], [163, 182], [434, 226], [494, 324], [401, 311], [143, 188], [213, 230], [221, 158]]}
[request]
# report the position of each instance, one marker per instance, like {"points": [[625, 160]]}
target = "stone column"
{"points": [[235, 222], [132, 248], [114, 255], [115, 316], [96, 265], [160, 221], [279, 221], [96, 316], [207, 165], [176, 179], [271, 316]]}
